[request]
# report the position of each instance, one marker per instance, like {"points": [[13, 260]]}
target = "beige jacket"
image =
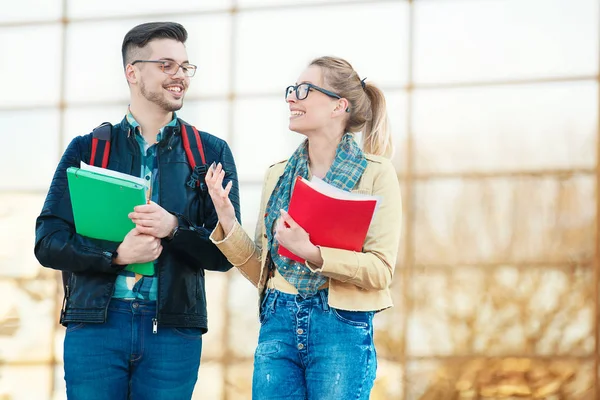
{"points": [[358, 281]]}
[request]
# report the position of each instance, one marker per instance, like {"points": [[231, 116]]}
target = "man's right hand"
{"points": [[138, 248]]}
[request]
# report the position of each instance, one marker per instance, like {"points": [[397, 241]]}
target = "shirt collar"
{"points": [[134, 124]]}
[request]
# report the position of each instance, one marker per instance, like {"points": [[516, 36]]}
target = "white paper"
{"points": [[329, 190], [114, 174]]}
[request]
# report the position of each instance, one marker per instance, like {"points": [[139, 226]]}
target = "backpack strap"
{"points": [[192, 144], [101, 145]]}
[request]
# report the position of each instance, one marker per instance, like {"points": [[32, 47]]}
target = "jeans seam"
{"points": [[370, 356]]}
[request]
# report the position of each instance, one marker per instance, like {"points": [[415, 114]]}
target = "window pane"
{"points": [[82, 120], [207, 116], [250, 3], [397, 108], [484, 378], [506, 128], [212, 342], [94, 78], [388, 383], [94, 69], [501, 312], [31, 10], [208, 46], [25, 382], [17, 259], [261, 136], [27, 319], [250, 196], [389, 330], [505, 220], [261, 69], [83, 8], [32, 79], [36, 166], [210, 381], [243, 321], [465, 40], [239, 378]]}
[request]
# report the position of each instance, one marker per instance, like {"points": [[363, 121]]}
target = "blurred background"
{"points": [[494, 106]]}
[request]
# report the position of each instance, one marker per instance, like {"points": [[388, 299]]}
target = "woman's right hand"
{"points": [[220, 196]]}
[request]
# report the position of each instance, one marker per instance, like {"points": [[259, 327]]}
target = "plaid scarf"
{"points": [[347, 168]]}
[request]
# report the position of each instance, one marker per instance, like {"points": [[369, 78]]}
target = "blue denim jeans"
{"points": [[122, 359], [308, 350]]}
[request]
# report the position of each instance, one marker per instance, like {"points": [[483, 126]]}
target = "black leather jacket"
{"points": [[180, 268]]}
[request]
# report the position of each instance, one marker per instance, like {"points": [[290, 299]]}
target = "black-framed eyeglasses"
{"points": [[170, 67], [303, 89]]}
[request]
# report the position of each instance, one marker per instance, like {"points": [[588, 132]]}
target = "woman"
{"points": [[316, 336]]}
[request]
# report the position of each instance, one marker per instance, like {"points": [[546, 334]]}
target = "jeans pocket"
{"points": [[355, 318], [73, 326], [266, 307], [266, 348], [189, 333]]}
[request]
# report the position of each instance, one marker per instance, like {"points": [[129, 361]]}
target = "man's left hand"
{"points": [[152, 219]]}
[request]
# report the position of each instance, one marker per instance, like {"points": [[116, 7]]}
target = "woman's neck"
{"points": [[321, 154]]}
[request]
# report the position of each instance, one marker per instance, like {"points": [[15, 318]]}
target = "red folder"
{"points": [[332, 217]]}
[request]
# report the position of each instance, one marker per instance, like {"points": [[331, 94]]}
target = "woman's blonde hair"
{"points": [[368, 113]]}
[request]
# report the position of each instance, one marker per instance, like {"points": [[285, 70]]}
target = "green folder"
{"points": [[101, 200]]}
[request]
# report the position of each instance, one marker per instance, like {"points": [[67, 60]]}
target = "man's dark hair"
{"points": [[139, 36]]}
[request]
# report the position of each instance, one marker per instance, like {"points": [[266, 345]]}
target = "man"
{"points": [[132, 336]]}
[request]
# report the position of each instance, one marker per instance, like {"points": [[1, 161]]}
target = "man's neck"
{"points": [[151, 119]]}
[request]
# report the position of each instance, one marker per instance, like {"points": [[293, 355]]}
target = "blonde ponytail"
{"points": [[368, 113], [377, 137]]}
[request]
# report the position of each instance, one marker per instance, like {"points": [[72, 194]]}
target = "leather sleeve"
{"points": [[57, 245], [193, 237]]}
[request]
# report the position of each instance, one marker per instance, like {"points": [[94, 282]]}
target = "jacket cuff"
{"points": [[236, 246], [342, 265]]}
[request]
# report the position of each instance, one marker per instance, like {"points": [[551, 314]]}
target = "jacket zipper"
{"points": [[65, 301], [155, 319]]}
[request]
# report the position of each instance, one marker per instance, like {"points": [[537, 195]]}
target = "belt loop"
{"points": [[324, 296], [275, 295]]}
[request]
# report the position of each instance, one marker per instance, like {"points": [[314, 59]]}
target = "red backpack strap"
{"points": [[192, 144], [101, 145]]}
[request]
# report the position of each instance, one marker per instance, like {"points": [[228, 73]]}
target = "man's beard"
{"points": [[159, 99]]}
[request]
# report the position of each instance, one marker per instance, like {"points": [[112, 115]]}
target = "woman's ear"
{"points": [[343, 106]]}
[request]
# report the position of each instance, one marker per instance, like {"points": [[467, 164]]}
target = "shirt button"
{"points": [[265, 235], [135, 305], [300, 346], [299, 331]]}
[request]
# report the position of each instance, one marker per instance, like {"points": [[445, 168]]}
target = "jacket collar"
{"points": [[168, 130]]}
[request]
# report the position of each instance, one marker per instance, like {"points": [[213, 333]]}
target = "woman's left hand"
{"points": [[292, 236]]}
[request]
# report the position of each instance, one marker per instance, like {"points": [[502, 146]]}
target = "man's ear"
{"points": [[131, 74], [343, 106]]}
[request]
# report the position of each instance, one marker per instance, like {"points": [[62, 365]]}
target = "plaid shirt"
{"points": [[146, 288]]}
